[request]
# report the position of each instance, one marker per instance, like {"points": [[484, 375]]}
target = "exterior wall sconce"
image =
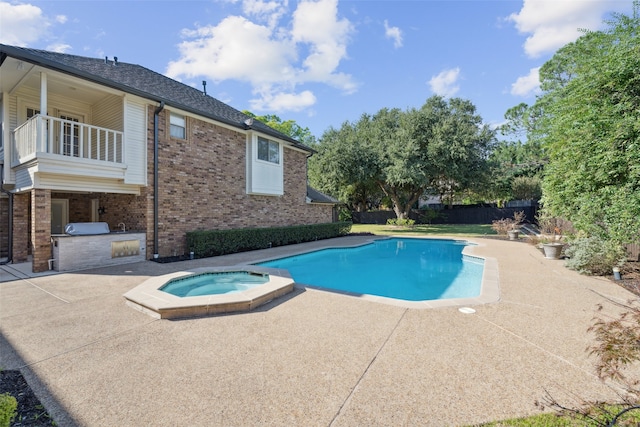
{"points": [[102, 211]]}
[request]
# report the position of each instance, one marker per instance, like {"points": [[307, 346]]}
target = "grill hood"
{"points": [[85, 228]]}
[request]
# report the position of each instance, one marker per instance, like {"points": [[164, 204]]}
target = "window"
{"points": [[269, 151], [178, 128], [32, 112]]}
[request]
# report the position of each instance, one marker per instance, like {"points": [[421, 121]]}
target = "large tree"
{"points": [[441, 145], [590, 126], [516, 159], [342, 167], [458, 146], [288, 127]]}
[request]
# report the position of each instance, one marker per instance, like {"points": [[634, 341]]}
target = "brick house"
{"points": [[87, 140]]}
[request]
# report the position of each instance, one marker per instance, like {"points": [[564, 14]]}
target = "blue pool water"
{"points": [[213, 283], [400, 268]]}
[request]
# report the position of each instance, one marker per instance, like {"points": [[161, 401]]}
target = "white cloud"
{"points": [[265, 11], [234, 49], [527, 85], [284, 101], [59, 47], [445, 83], [316, 26], [552, 24], [21, 24], [273, 58], [61, 19], [393, 33]]}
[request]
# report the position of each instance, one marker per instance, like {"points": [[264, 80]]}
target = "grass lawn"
{"points": [[477, 230], [598, 419]]}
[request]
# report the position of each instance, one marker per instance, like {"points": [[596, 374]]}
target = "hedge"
{"points": [[208, 243]]}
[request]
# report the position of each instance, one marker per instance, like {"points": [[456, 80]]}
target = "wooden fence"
{"points": [[457, 215], [468, 215], [633, 252]]}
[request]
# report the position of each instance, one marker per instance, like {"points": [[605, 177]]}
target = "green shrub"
{"points": [[345, 215], [592, 255], [402, 222], [8, 409], [429, 214], [207, 243], [526, 188]]}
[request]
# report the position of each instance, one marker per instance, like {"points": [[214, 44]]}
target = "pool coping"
{"points": [[489, 288], [148, 298]]}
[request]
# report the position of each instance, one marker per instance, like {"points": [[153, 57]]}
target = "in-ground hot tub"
{"points": [[208, 291], [214, 283]]}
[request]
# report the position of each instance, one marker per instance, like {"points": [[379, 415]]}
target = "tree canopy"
{"points": [[442, 146], [590, 128], [288, 127]]}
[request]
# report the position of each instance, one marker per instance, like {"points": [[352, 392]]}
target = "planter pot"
{"points": [[513, 234], [552, 250], [616, 273]]}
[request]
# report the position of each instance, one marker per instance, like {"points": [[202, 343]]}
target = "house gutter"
{"points": [[10, 225], [156, 120]]}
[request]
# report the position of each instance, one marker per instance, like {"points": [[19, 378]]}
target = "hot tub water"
{"points": [[214, 283]]}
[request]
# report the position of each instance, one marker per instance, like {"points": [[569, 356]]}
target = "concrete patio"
{"points": [[311, 358]]}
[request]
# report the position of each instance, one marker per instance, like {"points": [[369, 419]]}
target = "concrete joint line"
{"points": [[47, 292], [364, 373], [531, 343], [71, 350]]}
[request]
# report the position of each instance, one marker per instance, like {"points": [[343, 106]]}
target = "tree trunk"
{"points": [[401, 210]]}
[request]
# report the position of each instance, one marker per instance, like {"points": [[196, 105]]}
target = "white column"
{"points": [[43, 93], [42, 132], [6, 139]]}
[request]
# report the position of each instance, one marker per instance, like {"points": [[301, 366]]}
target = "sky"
{"points": [[322, 62]]}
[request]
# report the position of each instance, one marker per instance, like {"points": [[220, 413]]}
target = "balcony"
{"points": [[45, 137]]}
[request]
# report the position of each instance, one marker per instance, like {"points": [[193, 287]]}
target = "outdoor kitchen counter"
{"points": [[75, 252]]}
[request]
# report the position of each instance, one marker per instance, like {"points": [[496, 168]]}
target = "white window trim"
{"points": [[264, 177], [181, 124]]}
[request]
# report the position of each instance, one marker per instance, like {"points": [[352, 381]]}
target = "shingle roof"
{"points": [[317, 197], [141, 81]]}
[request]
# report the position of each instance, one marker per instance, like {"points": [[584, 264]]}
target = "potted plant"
{"points": [[515, 224], [509, 226], [550, 240], [552, 249]]}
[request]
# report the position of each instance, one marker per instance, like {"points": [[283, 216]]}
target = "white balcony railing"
{"points": [[46, 134]]}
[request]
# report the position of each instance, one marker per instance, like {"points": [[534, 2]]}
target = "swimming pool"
{"points": [[401, 268]]}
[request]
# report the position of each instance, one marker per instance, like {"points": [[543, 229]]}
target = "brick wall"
{"points": [[21, 227], [41, 229], [122, 208], [4, 226], [202, 187]]}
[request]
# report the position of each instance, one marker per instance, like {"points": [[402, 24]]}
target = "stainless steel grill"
{"points": [[86, 228]]}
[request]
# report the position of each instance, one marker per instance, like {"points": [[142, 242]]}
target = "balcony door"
{"points": [[70, 134], [59, 215]]}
